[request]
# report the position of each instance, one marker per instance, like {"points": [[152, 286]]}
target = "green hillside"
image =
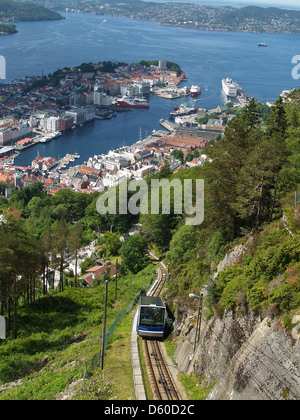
{"points": [[25, 11], [250, 176]]}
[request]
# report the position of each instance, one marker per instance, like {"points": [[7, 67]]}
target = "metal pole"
{"points": [[199, 317], [116, 290], [104, 326], [196, 334]]}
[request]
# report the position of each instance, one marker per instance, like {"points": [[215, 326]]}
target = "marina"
{"points": [[65, 161]]}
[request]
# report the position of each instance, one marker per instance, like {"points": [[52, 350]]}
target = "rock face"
{"points": [[249, 357]]}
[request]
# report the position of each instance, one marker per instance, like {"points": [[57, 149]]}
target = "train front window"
{"points": [[152, 317]]}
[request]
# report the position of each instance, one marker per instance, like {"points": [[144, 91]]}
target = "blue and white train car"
{"points": [[152, 317]]}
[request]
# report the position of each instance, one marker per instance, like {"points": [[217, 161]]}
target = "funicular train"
{"points": [[152, 317]]}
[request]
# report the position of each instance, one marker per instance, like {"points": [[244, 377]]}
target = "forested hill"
{"points": [[189, 15], [19, 11]]}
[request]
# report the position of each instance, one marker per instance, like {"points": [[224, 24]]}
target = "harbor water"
{"points": [[207, 57]]}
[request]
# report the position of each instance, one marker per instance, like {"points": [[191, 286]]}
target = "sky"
{"points": [[283, 4]]}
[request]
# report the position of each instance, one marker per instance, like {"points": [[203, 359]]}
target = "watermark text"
{"points": [[160, 197], [2, 67]]}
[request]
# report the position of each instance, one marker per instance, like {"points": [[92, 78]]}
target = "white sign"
{"points": [[2, 328], [2, 67]]}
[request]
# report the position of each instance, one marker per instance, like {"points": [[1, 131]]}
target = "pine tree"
{"points": [[277, 135], [251, 114], [221, 174]]}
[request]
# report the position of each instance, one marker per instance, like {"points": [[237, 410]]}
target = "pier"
{"points": [[62, 163], [168, 125]]}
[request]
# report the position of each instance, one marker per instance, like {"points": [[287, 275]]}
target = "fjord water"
{"points": [[206, 56]]}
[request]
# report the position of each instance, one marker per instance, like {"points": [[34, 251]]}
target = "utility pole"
{"points": [[116, 289], [104, 326]]}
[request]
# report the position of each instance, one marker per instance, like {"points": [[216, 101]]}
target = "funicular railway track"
{"points": [[160, 378]]}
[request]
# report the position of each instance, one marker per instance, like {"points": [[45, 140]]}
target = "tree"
{"points": [[75, 241], [277, 135], [133, 253], [221, 173], [251, 114], [178, 154], [19, 262], [60, 246], [45, 245], [112, 243], [256, 180], [182, 246]]}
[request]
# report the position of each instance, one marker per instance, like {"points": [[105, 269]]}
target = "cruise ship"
{"points": [[230, 88]]}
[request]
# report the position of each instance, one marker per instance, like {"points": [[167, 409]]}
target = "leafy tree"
{"points": [[133, 253], [178, 154], [182, 246], [60, 243], [75, 242], [112, 243], [19, 262]]}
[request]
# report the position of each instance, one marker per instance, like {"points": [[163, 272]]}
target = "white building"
{"points": [[162, 65], [5, 136], [102, 99], [51, 124]]}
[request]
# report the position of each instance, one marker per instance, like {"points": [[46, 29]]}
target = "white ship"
{"points": [[45, 139], [57, 134], [195, 90], [230, 88], [136, 102]]}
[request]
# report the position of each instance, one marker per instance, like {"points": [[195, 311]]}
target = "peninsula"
{"points": [[12, 11], [192, 16]]}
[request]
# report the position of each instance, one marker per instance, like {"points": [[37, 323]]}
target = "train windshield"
{"points": [[154, 317]]}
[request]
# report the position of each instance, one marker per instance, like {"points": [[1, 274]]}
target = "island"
{"points": [[192, 16], [6, 29], [13, 11]]}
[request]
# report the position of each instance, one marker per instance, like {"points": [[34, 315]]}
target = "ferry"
{"points": [[195, 90], [133, 102], [183, 110], [230, 88]]}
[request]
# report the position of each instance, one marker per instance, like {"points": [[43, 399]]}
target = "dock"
{"points": [[168, 125], [62, 163]]}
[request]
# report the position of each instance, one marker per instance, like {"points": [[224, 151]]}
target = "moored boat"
{"points": [[195, 90], [230, 88], [136, 102]]}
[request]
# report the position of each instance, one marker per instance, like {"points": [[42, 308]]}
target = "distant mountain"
{"points": [[19, 11]]}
